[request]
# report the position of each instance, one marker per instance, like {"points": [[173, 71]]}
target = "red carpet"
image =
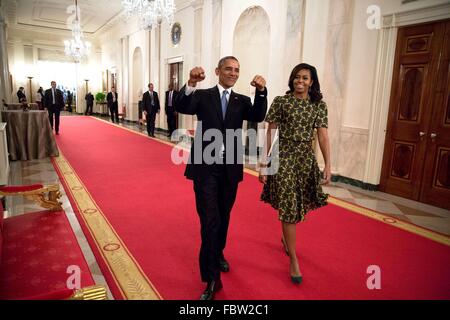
{"points": [[151, 207], [38, 248]]}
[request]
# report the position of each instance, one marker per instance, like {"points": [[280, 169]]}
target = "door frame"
{"points": [[387, 41]]}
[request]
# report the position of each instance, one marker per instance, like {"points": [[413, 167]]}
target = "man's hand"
{"points": [[196, 75], [144, 113], [259, 82]]}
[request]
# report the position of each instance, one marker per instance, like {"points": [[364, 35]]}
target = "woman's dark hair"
{"points": [[314, 92]]}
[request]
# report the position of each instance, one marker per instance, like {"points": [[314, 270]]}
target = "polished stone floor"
{"points": [[42, 171]]}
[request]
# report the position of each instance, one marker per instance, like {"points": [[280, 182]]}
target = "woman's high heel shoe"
{"points": [[285, 246], [296, 279]]}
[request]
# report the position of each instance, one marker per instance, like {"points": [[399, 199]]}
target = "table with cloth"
{"points": [[29, 135]]}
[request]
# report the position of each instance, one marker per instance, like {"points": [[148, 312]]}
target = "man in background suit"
{"points": [[21, 95], [171, 95], [69, 101], [89, 103], [215, 185], [113, 104], [54, 103], [151, 108]]}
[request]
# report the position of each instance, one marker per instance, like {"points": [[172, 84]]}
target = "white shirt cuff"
{"points": [[189, 90]]}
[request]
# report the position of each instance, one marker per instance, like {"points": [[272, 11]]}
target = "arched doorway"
{"points": [[251, 43], [137, 84]]}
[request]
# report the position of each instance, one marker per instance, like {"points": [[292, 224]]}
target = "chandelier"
{"points": [[76, 47], [150, 12]]}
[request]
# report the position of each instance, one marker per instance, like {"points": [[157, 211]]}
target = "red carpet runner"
{"points": [[38, 249], [151, 207]]}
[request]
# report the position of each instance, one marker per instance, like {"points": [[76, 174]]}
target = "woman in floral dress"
{"points": [[295, 188]]}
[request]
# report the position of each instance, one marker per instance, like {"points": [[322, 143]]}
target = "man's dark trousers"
{"points": [[215, 196]]}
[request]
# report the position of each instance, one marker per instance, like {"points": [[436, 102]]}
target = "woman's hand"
{"points": [[326, 176]]}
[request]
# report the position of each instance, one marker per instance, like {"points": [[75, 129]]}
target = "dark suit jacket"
{"points": [[59, 99], [206, 105], [21, 96], [166, 104], [89, 99], [109, 99], [147, 102]]}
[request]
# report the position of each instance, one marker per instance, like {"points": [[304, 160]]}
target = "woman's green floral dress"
{"points": [[295, 188]]}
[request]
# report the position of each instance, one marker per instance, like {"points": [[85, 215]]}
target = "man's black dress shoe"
{"points": [[211, 288], [224, 265]]}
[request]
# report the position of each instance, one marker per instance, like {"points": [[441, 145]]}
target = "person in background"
{"points": [[89, 103], [40, 98], [171, 95], [54, 103], [150, 109], [69, 101], [113, 104], [21, 95]]}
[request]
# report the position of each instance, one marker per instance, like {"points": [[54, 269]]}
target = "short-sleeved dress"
{"points": [[295, 188]]}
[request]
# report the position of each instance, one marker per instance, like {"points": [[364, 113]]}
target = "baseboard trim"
{"points": [[355, 183]]}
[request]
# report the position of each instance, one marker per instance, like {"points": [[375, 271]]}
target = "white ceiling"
{"points": [[52, 14]]}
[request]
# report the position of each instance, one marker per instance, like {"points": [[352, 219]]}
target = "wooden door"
{"points": [[411, 108], [436, 178]]}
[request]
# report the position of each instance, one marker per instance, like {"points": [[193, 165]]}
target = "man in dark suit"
{"points": [[69, 101], [21, 95], [215, 183], [171, 95], [150, 107], [89, 103], [113, 104], [54, 103]]}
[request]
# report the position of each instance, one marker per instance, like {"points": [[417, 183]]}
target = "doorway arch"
{"points": [[252, 35]]}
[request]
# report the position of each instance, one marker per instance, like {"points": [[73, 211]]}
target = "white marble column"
{"points": [[207, 42], [4, 66], [125, 77], [334, 82], [190, 122], [293, 42], [217, 31]]}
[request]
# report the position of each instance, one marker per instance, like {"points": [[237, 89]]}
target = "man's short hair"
{"points": [[222, 61]]}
